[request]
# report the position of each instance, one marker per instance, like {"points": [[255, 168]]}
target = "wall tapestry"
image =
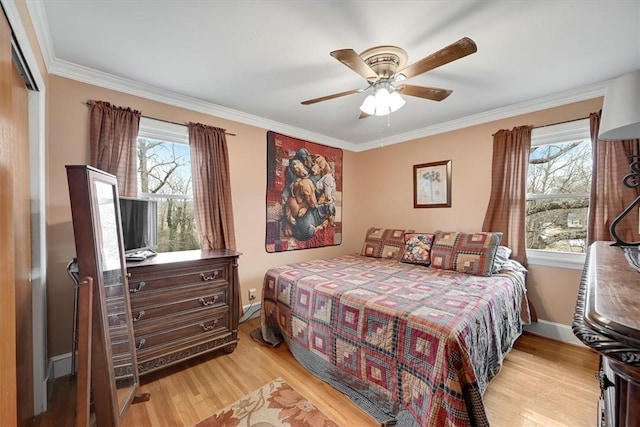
{"points": [[304, 194]]}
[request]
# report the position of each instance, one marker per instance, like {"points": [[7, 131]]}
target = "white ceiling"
{"points": [[255, 61]]}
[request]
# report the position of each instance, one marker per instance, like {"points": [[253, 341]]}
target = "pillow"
{"points": [[502, 256], [471, 253], [417, 249], [384, 243]]}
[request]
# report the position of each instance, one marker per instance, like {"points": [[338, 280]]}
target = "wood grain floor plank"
{"points": [[542, 383]]}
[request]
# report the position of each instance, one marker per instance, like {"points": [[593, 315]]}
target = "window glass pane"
{"points": [[563, 168], [558, 185], [164, 174], [176, 225], [163, 167], [557, 224]]}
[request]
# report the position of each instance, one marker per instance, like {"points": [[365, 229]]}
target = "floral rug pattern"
{"points": [[274, 405]]}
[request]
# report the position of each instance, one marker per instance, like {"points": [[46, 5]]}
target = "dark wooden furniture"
{"points": [[607, 319], [83, 387], [110, 369], [183, 304]]}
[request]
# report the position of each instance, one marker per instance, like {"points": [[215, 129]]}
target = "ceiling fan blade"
{"points": [[326, 98], [351, 59], [431, 93], [463, 47], [364, 115]]}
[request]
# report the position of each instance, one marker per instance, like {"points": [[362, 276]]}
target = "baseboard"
{"points": [[554, 331], [59, 366], [251, 311]]}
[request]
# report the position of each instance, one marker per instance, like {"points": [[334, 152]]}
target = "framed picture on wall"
{"points": [[432, 185]]}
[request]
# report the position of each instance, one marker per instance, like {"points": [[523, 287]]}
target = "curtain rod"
{"points": [[179, 124], [560, 123], [168, 121]]}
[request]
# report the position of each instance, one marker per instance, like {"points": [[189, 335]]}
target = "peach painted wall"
{"points": [[68, 136], [377, 192], [385, 194]]}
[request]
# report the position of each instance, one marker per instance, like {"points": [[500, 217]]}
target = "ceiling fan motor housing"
{"points": [[385, 60]]}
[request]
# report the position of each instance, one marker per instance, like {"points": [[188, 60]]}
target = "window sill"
{"points": [[556, 259]]}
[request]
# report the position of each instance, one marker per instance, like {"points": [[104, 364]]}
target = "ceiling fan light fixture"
{"points": [[382, 102], [369, 105], [395, 101]]}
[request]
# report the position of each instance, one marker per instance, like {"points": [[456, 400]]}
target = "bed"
{"points": [[414, 342]]}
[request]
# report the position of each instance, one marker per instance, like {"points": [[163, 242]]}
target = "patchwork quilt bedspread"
{"points": [[411, 345]]}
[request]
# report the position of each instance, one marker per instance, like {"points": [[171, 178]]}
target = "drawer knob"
{"points": [[138, 289], [208, 278], [210, 327], [139, 316], [140, 344], [205, 303]]}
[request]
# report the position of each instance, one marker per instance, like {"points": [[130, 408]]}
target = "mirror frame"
{"points": [[88, 234]]}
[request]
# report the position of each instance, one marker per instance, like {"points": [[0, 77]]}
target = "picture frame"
{"points": [[432, 185]]}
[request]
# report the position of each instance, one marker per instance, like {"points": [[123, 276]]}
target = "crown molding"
{"points": [[131, 87], [113, 82], [41, 28], [542, 103]]}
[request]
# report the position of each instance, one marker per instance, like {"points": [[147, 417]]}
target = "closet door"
{"points": [[8, 400], [16, 355]]}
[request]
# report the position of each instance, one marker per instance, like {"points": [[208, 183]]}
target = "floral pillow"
{"points": [[471, 253], [417, 248], [384, 243]]}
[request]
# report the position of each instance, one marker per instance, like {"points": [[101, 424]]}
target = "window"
{"points": [[558, 186], [164, 175]]}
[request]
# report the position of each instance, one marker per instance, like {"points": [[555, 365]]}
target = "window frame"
{"points": [[553, 134]]}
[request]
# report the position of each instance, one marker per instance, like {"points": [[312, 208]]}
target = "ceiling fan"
{"points": [[385, 68]]}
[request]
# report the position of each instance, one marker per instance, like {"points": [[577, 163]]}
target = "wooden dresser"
{"points": [[607, 319], [183, 304]]}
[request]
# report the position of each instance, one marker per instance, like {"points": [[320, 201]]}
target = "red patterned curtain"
{"points": [[609, 196], [113, 138], [506, 210], [211, 186]]}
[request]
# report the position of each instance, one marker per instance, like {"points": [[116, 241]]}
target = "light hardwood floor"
{"points": [[542, 383]]}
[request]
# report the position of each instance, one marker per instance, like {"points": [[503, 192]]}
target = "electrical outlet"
{"points": [[252, 294]]}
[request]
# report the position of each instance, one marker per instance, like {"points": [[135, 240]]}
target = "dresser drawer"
{"points": [[117, 309], [146, 306], [198, 327], [152, 280], [119, 338], [174, 319], [171, 353]]}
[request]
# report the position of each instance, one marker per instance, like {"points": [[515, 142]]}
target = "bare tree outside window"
{"points": [[559, 181], [164, 174]]}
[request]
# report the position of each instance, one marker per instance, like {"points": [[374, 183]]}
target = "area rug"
{"points": [[273, 405]]}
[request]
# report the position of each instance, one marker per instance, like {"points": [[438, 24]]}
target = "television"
{"points": [[139, 224]]}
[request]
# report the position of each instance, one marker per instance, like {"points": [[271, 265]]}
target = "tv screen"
{"points": [[139, 223]]}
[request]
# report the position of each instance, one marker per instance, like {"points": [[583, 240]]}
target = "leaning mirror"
{"points": [[100, 253]]}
